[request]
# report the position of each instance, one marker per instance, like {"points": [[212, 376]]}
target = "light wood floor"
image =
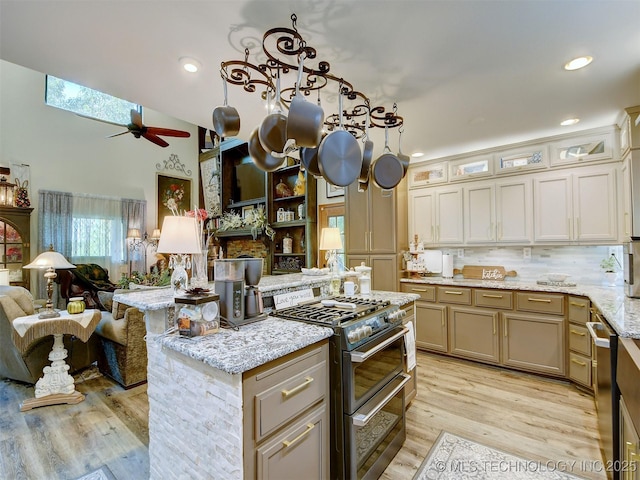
{"points": [[534, 418]]}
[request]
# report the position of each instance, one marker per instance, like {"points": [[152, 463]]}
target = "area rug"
{"points": [[103, 473], [456, 458]]}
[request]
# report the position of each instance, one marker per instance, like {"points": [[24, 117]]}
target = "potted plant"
{"points": [[610, 267]]}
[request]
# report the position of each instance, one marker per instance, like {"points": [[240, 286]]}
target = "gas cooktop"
{"points": [[333, 311]]}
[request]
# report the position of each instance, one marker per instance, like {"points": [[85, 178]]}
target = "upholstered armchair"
{"points": [[122, 330], [86, 280], [27, 367]]}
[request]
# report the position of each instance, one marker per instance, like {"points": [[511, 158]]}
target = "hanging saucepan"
{"points": [[367, 154], [387, 171], [309, 158], [339, 155], [273, 129], [304, 123], [263, 160], [226, 120], [404, 159]]}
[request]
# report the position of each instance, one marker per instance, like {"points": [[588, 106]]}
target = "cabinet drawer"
{"points": [[426, 292], [579, 309], [493, 298], [457, 295], [580, 369], [579, 339], [281, 393], [540, 303]]}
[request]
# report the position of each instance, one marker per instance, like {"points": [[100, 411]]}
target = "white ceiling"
{"points": [[465, 74]]}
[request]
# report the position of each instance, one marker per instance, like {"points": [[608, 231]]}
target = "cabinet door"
{"points": [[594, 205], [382, 220], [299, 451], [629, 445], [431, 327], [411, 388], [534, 342], [474, 334], [449, 216], [357, 219], [514, 211], [479, 213], [552, 199], [384, 273], [627, 208], [422, 214]]}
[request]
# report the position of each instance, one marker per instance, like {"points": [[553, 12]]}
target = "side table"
{"points": [[56, 386]]}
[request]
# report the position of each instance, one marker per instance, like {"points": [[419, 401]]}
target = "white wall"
{"points": [[70, 153]]}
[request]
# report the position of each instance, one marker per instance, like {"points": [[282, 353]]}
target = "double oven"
{"points": [[367, 353]]}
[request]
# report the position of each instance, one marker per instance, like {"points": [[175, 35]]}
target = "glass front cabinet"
{"points": [[15, 237]]}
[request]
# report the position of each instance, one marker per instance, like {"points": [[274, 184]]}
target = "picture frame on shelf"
{"points": [[171, 190], [247, 210], [334, 191]]}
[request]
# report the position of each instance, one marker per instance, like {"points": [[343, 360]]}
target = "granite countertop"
{"points": [[620, 311]]}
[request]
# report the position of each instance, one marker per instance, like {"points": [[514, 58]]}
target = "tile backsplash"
{"points": [[582, 263]]}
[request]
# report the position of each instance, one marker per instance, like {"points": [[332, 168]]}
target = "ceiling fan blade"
{"points": [[155, 139], [168, 132], [117, 134], [136, 118]]}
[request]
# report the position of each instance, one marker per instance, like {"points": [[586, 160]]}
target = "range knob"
{"points": [[352, 336]]}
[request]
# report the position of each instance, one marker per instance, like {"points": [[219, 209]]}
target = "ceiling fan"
{"points": [[138, 129]]}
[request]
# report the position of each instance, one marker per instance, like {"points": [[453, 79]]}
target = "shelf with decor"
{"points": [[291, 193], [15, 247]]}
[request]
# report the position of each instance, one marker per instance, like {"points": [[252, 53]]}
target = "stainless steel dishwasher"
{"points": [[605, 348]]}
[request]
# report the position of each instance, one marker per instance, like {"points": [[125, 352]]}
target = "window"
{"points": [[93, 237], [88, 102]]}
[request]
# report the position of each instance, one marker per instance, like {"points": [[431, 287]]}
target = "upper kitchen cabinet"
{"points": [[471, 167], [498, 212], [436, 215], [586, 148], [522, 159], [428, 174], [630, 130], [577, 207]]}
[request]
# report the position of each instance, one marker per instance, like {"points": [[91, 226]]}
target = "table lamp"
{"points": [[331, 241], [51, 260], [180, 238]]}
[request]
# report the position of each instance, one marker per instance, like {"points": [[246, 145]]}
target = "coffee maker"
{"points": [[229, 284], [253, 306]]}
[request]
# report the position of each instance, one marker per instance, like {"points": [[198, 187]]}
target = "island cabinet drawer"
{"points": [[579, 339], [493, 298], [426, 292], [540, 303], [580, 369], [579, 309], [281, 393], [461, 296]]}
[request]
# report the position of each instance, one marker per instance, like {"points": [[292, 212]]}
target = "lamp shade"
{"points": [[179, 235], [51, 259], [330, 239], [134, 233], [155, 235]]}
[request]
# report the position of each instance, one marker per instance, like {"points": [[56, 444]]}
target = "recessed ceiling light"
{"points": [[191, 65], [569, 121], [577, 63], [417, 154]]}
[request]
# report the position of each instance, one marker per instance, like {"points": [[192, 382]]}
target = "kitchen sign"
{"points": [[482, 272], [291, 299]]}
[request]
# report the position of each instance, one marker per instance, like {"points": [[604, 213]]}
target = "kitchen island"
{"points": [[201, 411]]}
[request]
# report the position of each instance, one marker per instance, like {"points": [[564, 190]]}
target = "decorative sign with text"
{"points": [[483, 272], [291, 299]]}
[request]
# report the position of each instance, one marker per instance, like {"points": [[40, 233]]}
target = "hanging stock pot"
{"points": [[304, 123]]}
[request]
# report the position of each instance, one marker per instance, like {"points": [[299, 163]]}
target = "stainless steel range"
{"points": [[367, 381]]}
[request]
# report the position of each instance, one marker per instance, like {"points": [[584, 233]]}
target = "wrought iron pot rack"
{"points": [[283, 48]]}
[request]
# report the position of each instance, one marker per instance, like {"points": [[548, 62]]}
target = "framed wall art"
{"points": [[210, 175], [334, 191], [172, 193]]}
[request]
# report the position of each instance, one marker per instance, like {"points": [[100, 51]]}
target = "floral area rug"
{"points": [[456, 458], [103, 473]]}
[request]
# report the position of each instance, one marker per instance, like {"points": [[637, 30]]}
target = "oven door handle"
{"points": [[359, 357], [598, 341], [360, 420]]}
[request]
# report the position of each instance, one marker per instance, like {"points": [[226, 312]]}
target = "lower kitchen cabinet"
{"points": [[431, 327], [473, 333], [411, 388], [286, 417], [629, 445], [534, 343], [581, 364]]}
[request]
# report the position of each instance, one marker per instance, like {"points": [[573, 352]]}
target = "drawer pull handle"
{"points": [[418, 289], [288, 443], [576, 304], [294, 390], [451, 292], [575, 332], [488, 295], [540, 300], [582, 364]]}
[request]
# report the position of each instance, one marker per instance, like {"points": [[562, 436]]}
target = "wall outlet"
{"points": [[461, 253], [526, 253]]}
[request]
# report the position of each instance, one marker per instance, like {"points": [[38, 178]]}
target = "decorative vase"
{"points": [[179, 279], [199, 277], [610, 278]]}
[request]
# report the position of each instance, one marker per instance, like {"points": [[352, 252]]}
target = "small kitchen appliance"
{"points": [[366, 373], [229, 277], [253, 306]]}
